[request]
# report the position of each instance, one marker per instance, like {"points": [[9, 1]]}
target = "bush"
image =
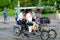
{"points": [[11, 12], [59, 11], [4, 3], [51, 11], [44, 11]]}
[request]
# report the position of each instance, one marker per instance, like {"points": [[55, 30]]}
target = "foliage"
{"points": [[4, 3], [29, 2], [13, 3], [11, 12], [59, 11], [45, 11], [51, 11]]}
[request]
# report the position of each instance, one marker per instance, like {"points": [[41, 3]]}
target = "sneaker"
{"points": [[33, 33], [26, 35], [37, 31]]}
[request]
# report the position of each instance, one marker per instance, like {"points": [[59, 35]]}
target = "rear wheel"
{"points": [[52, 34], [44, 35]]}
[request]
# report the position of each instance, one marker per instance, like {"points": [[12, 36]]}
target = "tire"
{"points": [[44, 35], [52, 34], [17, 31], [38, 33]]}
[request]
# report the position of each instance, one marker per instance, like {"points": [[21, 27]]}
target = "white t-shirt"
{"points": [[29, 17], [33, 13], [20, 16]]}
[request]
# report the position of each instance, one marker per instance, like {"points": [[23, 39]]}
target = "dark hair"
{"points": [[26, 10], [38, 9], [30, 10], [22, 10]]}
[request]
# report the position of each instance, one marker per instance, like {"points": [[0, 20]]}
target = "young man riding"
{"points": [[20, 21]]}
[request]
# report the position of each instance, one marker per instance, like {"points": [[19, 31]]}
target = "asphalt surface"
{"points": [[6, 30]]}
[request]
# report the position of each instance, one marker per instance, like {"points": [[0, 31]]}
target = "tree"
{"points": [[29, 2], [51, 2], [4, 3], [58, 4], [13, 3]]}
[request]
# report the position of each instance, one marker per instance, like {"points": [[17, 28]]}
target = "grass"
{"points": [[11, 12], [44, 15], [47, 15], [1, 13]]}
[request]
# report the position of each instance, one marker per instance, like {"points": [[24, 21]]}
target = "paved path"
{"points": [[6, 30]]}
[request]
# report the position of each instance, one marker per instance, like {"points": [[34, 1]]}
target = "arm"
{"points": [[19, 17]]}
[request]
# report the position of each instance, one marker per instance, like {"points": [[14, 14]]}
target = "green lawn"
{"points": [[47, 15], [1, 13], [11, 12], [44, 15]]}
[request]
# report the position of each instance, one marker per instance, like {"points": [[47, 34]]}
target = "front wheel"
{"points": [[52, 34], [44, 35], [17, 31]]}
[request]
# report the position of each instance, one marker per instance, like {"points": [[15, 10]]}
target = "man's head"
{"points": [[30, 10], [39, 10], [4, 8]]}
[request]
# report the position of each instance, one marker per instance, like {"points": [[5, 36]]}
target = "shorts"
{"points": [[29, 23], [5, 18]]}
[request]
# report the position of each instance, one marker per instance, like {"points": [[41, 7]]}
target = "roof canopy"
{"points": [[38, 7]]}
